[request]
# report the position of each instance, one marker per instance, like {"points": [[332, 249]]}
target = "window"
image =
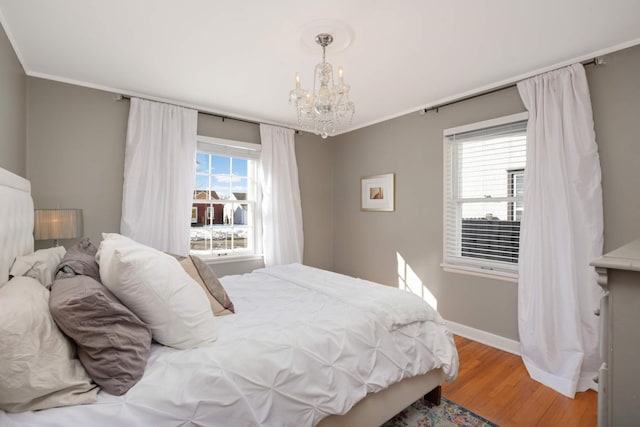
{"points": [[225, 199], [484, 195]]}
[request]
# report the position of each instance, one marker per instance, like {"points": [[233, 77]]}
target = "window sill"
{"points": [[480, 272], [214, 259]]}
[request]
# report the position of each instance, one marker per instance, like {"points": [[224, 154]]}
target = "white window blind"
{"points": [[484, 190]]}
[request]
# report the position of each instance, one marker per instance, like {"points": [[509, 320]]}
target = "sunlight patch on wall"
{"points": [[409, 281]]}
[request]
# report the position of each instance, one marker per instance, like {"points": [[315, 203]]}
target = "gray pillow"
{"points": [[79, 259], [113, 344]]}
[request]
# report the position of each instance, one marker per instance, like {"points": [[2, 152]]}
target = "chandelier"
{"points": [[327, 109]]}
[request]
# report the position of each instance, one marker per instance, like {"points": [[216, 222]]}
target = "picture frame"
{"points": [[377, 193]]}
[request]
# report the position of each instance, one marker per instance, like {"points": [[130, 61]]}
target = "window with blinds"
{"points": [[484, 195]]}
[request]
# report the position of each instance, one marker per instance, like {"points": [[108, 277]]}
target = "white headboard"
{"points": [[16, 220]]}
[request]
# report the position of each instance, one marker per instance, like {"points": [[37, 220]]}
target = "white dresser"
{"points": [[619, 377]]}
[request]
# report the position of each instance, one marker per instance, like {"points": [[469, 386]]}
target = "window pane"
{"points": [[240, 213], [202, 163], [221, 165], [240, 187], [222, 239], [220, 186], [202, 185], [240, 167], [200, 240], [240, 240], [220, 179], [214, 214]]}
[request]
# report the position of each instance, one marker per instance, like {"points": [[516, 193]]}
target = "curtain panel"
{"points": [[159, 175], [562, 231], [282, 235]]}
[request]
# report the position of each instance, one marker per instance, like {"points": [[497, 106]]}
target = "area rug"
{"points": [[448, 414]]}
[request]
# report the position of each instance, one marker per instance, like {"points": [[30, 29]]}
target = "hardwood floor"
{"points": [[495, 384]]}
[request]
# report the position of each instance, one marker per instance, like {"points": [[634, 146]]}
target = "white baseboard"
{"points": [[484, 337]]}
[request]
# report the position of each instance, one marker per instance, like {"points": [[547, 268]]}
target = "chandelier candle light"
{"points": [[327, 109]]}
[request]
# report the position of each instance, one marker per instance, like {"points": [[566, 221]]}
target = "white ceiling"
{"points": [[239, 58]]}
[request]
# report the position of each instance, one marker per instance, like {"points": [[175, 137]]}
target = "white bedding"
{"points": [[291, 355], [392, 308]]}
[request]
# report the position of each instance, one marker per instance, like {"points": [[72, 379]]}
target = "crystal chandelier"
{"points": [[327, 109]]}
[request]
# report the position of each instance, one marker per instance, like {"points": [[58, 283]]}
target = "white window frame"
{"points": [[243, 150], [465, 265]]}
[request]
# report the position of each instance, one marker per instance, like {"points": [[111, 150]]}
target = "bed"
{"points": [[305, 347]]}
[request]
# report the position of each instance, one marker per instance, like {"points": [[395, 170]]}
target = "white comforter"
{"points": [[304, 343]]}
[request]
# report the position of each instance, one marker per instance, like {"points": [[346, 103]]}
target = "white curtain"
{"points": [[159, 174], [282, 236], [562, 231]]}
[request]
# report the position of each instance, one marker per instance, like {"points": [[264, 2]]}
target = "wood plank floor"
{"points": [[495, 384]]}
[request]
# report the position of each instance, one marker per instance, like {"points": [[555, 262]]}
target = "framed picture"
{"points": [[377, 193]]}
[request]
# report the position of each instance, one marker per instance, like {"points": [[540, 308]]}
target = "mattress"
{"points": [[304, 343]]}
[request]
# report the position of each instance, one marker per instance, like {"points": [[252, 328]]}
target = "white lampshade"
{"points": [[57, 224]]}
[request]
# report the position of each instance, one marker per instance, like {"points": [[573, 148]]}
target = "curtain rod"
{"points": [[223, 117], [594, 61]]}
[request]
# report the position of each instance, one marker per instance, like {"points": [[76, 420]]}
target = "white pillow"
{"points": [[41, 265], [156, 288], [38, 368]]}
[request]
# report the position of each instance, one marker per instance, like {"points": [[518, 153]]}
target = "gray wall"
{"points": [[75, 145], [76, 142], [615, 97], [315, 170], [13, 111], [368, 244]]}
